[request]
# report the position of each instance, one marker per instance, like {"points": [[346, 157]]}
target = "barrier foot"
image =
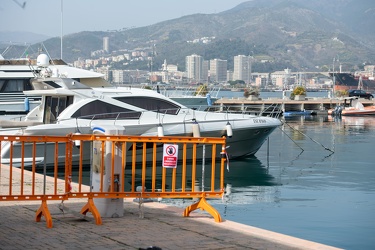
{"points": [[90, 207], [43, 211], [203, 204]]}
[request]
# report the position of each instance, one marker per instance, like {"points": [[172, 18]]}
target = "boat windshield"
{"points": [[151, 104], [14, 85], [98, 110]]}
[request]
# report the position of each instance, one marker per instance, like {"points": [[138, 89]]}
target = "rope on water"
{"points": [[310, 138], [291, 139]]}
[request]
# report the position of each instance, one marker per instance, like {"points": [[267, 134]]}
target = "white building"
{"points": [[118, 76], [281, 79], [205, 68], [194, 68], [261, 79], [218, 70], [242, 68], [172, 68], [106, 44]]}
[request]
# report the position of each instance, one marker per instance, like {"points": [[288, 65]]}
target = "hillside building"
{"points": [[106, 44], [242, 68], [194, 68], [218, 70], [282, 79]]}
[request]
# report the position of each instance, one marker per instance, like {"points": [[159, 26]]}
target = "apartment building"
{"points": [[194, 68], [218, 70], [242, 68]]}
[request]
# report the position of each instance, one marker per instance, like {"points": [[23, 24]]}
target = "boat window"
{"points": [[14, 85], [98, 110], [52, 84], [151, 104], [54, 106], [50, 110]]}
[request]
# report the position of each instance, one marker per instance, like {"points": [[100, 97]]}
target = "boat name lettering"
{"points": [[260, 121]]}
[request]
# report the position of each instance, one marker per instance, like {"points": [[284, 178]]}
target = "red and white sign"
{"points": [[170, 155]]}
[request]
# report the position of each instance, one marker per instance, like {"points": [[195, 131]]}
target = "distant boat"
{"points": [[352, 107], [299, 112], [346, 81]]}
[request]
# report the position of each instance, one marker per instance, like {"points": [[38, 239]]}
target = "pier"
{"points": [[318, 106]]}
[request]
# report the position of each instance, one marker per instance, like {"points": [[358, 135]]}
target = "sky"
{"points": [[45, 16]]}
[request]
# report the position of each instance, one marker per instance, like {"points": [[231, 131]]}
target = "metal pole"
{"points": [[333, 79], [45, 169], [61, 48], [203, 165], [268, 152]]}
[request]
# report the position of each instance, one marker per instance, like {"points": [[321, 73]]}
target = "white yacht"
{"points": [[68, 106], [15, 76]]}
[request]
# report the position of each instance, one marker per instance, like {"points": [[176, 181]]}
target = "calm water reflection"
{"points": [[316, 184]]}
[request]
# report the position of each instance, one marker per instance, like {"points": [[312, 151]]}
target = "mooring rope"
{"points": [[291, 139], [309, 138]]}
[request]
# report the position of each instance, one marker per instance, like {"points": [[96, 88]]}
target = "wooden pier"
{"points": [[277, 105]]}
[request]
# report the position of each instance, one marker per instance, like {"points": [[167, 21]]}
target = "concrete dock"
{"points": [[163, 226], [273, 105]]}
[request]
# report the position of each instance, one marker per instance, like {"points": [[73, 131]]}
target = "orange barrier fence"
{"points": [[120, 167]]}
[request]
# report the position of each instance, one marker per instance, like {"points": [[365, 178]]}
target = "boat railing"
{"points": [[132, 115], [273, 110], [140, 116], [189, 115]]}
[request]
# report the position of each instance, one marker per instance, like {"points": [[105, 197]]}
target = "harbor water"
{"points": [[314, 179]]}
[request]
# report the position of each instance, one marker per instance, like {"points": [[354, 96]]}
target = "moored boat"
{"points": [[347, 81], [352, 107], [15, 76], [68, 106]]}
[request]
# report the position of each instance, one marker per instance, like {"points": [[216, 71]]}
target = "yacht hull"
{"points": [[243, 143]]}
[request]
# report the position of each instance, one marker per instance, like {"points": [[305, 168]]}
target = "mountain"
{"points": [[296, 34]]}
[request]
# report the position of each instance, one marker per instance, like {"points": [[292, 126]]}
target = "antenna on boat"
{"points": [[61, 38], [333, 78]]}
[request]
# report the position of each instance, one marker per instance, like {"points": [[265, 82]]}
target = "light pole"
{"points": [[61, 48], [333, 78], [152, 62]]}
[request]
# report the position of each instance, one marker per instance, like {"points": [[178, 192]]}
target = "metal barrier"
{"points": [[141, 159]]}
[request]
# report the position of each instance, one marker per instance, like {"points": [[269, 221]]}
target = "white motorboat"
{"points": [[352, 107], [15, 76], [69, 106]]}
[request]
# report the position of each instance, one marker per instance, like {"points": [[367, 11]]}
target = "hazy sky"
{"points": [[44, 16]]}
